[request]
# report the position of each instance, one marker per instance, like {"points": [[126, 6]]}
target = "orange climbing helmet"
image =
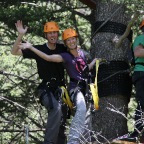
{"points": [[142, 24], [69, 33], [51, 26]]}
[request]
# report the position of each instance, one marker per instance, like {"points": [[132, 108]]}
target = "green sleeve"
{"points": [[139, 40]]}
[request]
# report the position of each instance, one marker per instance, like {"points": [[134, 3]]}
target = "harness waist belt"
{"points": [[74, 80], [77, 81], [53, 81], [46, 81]]}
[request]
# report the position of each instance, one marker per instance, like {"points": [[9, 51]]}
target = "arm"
{"points": [[50, 58], [21, 32], [139, 51], [92, 63]]}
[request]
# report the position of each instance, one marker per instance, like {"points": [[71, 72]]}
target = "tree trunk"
{"points": [[114, 91]]}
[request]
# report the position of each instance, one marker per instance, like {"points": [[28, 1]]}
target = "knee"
{"points": [[142, 106], [57, 107], [81, 107]]}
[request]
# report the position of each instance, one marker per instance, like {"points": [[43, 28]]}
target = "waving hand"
{"points": [[20, 28]]}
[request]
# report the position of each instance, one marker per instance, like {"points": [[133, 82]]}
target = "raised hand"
{"points": [[20, 28]]}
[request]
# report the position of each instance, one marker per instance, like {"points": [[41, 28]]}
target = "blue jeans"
{"points": [[81, 124], [138, 80]]}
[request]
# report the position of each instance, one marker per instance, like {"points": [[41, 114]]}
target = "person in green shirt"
{"points": [[138, 81]]}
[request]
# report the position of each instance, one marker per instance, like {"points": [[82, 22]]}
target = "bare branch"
{"points": [[15, 103], [126, 33], [89, 3], [22, 78], [30, 3], [21, 130]]}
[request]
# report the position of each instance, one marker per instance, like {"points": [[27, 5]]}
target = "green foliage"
{"points": [[35, 15]]}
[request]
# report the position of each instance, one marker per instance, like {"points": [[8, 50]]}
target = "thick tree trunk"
{"points": [[105, 122]]}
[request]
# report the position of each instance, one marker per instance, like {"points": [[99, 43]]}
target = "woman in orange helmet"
{"points": [[75, 62]]}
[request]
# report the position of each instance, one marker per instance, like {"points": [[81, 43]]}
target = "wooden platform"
{"points": [[124, 142]]}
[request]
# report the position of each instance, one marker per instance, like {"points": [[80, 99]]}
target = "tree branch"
{"points": [[82, 15], [20, 130], [89, 3], [126, 33], [22, 78]]}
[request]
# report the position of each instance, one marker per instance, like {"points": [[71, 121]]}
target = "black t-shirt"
{"points": [[47, 70]]}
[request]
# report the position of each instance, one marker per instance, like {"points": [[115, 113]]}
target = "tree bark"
{"points": [[105, 122]]}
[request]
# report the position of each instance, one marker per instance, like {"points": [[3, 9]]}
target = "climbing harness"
{"points": [[65, 97], [50, 89]]}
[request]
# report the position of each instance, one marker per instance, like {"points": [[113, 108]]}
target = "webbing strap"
{"points": [[66, 97]]}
